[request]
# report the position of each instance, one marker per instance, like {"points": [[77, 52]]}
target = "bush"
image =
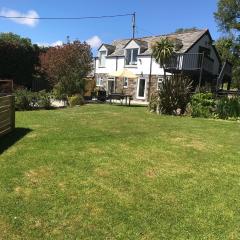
{"points": [[44, 100], [228, 107], [173, 96], [24, 99], [202, 105], [154, 102], [27, 100], [75, 100]]}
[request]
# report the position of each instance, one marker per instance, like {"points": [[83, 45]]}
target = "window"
{"points": [[99, 82], [159, 83], [141, 88], [125, 83], [206, 51], [131, 56], [102, 58], [111, 85]]}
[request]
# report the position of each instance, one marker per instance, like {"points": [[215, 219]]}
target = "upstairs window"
{"points": [[102, 58], [131, 56]]}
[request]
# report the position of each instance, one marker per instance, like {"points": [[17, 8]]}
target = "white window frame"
{"points": [[99, 82], [131, 60], [101, 55], [125, 80], [138, 83]]}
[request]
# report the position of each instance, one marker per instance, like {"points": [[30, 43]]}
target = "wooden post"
{"points": [[201, 72], [12, 113]]}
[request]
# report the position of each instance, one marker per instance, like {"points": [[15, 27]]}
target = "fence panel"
{"points": [[7, 114]]}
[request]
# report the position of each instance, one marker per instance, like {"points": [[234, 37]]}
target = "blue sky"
{"points": [[153, 17]]}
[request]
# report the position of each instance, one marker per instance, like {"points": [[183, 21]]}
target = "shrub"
{"points": [[202, 105], [173, 96], [154, 102], [228, 107], [24, 99], [44, 100], [27, 100], [75, 100]]}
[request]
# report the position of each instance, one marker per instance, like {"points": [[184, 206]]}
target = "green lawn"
{"points": [[111, 172]]}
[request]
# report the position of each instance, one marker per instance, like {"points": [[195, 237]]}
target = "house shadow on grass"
{"points": [[10, 139]]}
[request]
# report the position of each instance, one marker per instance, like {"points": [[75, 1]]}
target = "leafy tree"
{"points": [[228, 15], [19, 58], [66, 67]]}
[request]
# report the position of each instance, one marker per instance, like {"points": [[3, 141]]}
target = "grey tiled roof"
{"points": [[110, 48], [187, 39]]}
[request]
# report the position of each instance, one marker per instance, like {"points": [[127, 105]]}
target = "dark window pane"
{"points": [[134, 56], [128, 57], [141, 89]]}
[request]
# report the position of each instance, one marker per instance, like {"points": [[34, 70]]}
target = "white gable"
{"points": [[102, 48], [132, 44]]}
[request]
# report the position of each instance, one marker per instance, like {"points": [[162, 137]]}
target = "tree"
{"points": [[184, 30], [229, 49], [66, 66], [228, 15], [18, 60], [162, 51]]}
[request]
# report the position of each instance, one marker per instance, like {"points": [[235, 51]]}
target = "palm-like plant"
{"points": [[162, 51]]}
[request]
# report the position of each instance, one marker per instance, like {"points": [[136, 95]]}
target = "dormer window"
{"points": [[102, 58], [131, 56]]}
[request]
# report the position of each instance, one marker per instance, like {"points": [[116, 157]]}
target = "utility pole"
{"points": [[68, 39], [133, 25]]}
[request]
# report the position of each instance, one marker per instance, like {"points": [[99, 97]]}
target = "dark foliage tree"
{"points": [[184, 30], [18, 59], [228, 15], [66, 66]]}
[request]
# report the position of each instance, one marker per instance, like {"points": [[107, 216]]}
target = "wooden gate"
{"points": [[7, 114]]}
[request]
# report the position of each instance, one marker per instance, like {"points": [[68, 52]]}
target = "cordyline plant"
{"points": [[173, 97], [67, 66], [162, 51]]}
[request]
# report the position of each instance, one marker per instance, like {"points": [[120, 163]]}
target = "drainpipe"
{"points": [[150, 78], [115, 82]]}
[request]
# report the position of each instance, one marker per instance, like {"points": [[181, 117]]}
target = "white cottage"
{"points": [[196, 57]]}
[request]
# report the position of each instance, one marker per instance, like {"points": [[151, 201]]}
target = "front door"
{"points": [[141, 88], [111, 85]]}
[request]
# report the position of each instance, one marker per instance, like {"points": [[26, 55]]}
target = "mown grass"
{"points": [[109, 172]]}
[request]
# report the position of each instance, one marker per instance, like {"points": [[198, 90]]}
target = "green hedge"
{"points": [[206, 105], [27, 100]]}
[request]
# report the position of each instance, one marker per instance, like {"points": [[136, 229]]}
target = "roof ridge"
{"points": [[161, 35]]}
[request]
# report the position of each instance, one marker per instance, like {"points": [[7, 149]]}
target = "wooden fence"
{"points": [[7, 114]]}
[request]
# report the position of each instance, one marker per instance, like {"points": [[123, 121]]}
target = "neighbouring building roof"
{"points": [[188, 39], [109, 47]]}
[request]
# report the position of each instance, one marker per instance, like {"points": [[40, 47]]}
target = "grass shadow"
{"points": [[10, 139], [132, 105]]}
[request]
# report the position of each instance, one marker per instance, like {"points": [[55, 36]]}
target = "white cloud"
{"points": [[57, 43], [54, 44], [29, 21], [94, 42]]}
